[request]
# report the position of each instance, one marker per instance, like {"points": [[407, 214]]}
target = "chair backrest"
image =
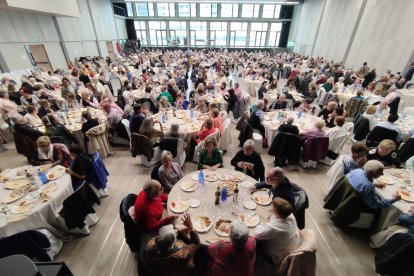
{"points": [[18, 265], [315, 148], [154, 172], [380, 133], [336, 144], [407, 150], [116, 86], [285, 145], [215, 136], [289, 103], [223, 115], [125, 122], [132, 232], [394, 105], [409, 110], [361, 127], [349, 127]]}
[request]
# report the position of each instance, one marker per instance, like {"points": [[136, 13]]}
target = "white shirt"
{"points": [[280, 235], [33, 120]]}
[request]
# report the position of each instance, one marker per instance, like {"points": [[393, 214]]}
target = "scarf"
{"points": [[46, 156]]}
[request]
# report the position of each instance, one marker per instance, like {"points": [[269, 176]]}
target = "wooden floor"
{"points": [[104, 251]]}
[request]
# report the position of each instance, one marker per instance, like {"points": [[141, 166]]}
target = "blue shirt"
{"points": [[366, 190], [391, 126]]}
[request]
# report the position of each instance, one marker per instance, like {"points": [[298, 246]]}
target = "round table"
{"points": [[206, 194], [41, 214], [251, 85], [407, 98], [274, 93]]}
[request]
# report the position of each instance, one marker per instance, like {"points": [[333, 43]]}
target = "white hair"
{"points": [[239, 234], [373, 166], [248, 144], [165, 153], [290, 120], [166, 238]]}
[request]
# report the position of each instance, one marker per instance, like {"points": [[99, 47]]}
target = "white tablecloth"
{"points": [[42, 214], [207, 197], [406, 98], [251, 85]]}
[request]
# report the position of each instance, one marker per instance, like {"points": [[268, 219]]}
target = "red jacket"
{"points": [[148, 212]]}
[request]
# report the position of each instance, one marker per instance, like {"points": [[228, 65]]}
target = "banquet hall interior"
{"points": [[268, 137]]}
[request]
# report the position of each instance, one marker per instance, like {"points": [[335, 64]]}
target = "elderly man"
{"points": [[280, 234], [289, 127], [236, 257], [88, 101], [257, 116], [278, 184], [280, 103], [249, 161], [148, 207], [330, 107], [113, 117], [362, 182]]}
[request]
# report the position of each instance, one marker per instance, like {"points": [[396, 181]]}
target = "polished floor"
{"points": [[104, 251]]}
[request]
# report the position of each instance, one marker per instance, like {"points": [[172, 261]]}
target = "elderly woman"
{"points": [[317, 131], [87, 100], [169, 172], [28, 99], [55, 129], [168, 255], [31, 117], [236, 257], [81, 165], [201, 105], [147, 129], [70, 102], [210, 157], [47, 153], [362, 182], [249, 161], [164, 103], [385, 153], [289, 127], [280, 234]]}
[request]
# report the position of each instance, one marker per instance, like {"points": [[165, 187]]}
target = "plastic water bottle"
{"points": [[201, 177], [163, 119], [211, 93], [213, 81], [300, 114], [42, 177], [224, 197], [191, 113]]}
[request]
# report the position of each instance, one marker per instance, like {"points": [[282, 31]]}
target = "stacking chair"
{"points": [[380, 133], [334, 149], [132, 231], [18, 265], [98, 141], [225, 139], [125, 122], [394, 105], [141, 146], [116, 86], [176, 147], [314, 149], [361, 128], [285, 146], [302, 260], [31, 244], [200, 146]]}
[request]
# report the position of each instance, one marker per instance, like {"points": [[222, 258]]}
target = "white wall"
{"points": [[22, 28], [384, 36], [52, 7]]}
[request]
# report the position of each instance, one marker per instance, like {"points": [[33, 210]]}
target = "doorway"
{"points": [[110, 48], [40, 56]]}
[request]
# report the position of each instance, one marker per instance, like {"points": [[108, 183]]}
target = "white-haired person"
{"points": [[164, 103], [382, 109], [289, 127], [172, 251], [234, 257], [362, 182], [169, 172], [88, 100], [279, 235], [148, 207], [317, 131], [249, 161]]}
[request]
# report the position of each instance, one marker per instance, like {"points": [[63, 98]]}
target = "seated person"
{"points": [[370, 115], [330, 107], [338, 130], [408, 220], [356, 159], [385, 153], [88, 121], [53, 128], [217, 120], [206, 129], [231, 99], [222, 89], [164, 103], [317, 131], [47, 153], [236, 257], [137, 117], [210, 157], [262, 90], [306, 106], [88, 101], [44, 108], [147, 129], [31, 117], [148, 207], [280, 234], [20, 126], [249, 161], [289, 127], [168, 255], [280, 103], [382, 109], [330, 122], [359, 95], [374, 97], [278, 184], [256, 118], [165, 94], [201, 106], [390, 124], [80, 167], [169, 172], [70, 102], [113, 117], [105, 100], [362, 181]]}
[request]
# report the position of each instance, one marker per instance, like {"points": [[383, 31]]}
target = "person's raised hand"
{"points": [[187, 221]]}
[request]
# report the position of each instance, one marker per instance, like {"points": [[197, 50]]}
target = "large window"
{"points": [[198, 33], [208, 10], [158, 33], [145, 9], [187, 9], [271, 11], [218, 33], [257, 36], [166, 9], [238, 34], [129, 9], [178, 32], [274, 34], [250, 10], [141, 30], [229, 10]]}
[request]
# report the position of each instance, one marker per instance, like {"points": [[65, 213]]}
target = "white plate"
{"points": [[55, 173], [247, 184], [222, 233], [194, 202], [194, 176], [200, 225], [239, 176], [188, 186], [8, 199], [385, 180], [262, 198], [179, 206], [251, 221], [210, 176], [249, 204]]}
